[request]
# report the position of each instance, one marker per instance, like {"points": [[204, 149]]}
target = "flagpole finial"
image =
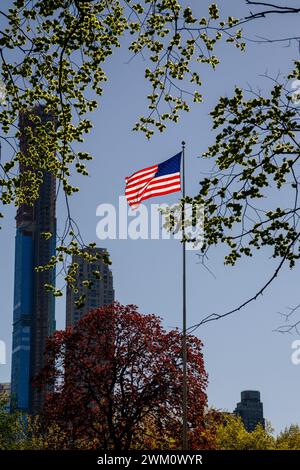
{"points": [[183, 143]]}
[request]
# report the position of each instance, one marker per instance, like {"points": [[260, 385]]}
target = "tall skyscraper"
{"points": [[34, 308], [250, 409], [101, 292]]}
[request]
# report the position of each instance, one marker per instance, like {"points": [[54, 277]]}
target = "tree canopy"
{"points": [[230, 434], [115, 380]]}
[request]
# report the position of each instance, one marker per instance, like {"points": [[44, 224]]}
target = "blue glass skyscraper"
{"points": [[34, 308]]}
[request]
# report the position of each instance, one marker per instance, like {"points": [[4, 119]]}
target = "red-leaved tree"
{"points": [[115, 382]]}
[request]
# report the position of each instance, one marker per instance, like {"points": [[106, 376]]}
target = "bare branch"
{"points": [[215, 316]]}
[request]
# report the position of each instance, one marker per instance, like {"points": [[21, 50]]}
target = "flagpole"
{"points": [[184, 343]]}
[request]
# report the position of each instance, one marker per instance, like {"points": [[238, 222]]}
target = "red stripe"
{"points": [[155, 181], [135, 175], [138, 196], [169, 187], [141, 180], [153, 195]]}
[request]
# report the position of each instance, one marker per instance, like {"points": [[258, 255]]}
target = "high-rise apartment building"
{"points": [[101, 292], [34, 308], [250, 409]]}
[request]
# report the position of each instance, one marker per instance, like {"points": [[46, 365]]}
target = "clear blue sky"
{"points": [[241, 352]]}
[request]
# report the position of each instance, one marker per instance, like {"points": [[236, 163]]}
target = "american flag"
{"points": [[156, 180]]}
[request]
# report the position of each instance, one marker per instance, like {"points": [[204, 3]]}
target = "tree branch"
{"points": [[274, 9], [216, 316]]}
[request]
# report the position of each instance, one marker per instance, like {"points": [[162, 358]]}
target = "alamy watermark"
{"points": [[2, 353], [2, 93], [295, 86], [152, 222], [295, 357]]}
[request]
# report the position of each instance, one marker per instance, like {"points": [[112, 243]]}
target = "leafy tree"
{"points": [[7, 424], [289, 439], [116, 379], [150, 436], [19, 431], [232, 435]]}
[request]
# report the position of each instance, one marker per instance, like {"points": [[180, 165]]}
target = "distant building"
{"points": [[250, 409], [101, 293], [34, 308], [5, 389]]}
